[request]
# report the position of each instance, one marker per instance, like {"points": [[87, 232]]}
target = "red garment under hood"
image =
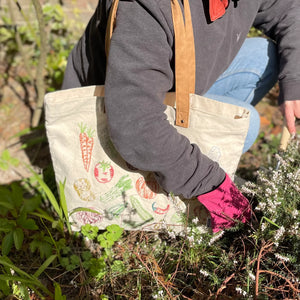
{"points": [[217, 9]]}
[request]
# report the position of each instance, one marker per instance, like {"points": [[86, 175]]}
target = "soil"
{"points": [[17, 104]]}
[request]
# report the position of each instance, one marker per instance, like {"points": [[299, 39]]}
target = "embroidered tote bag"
{"points": [[100, 187]]}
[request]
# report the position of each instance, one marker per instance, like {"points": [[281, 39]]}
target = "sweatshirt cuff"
{"points": [[289, 90]]}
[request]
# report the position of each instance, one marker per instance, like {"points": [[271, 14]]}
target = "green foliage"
{"points": [[6, 160], [15, 209], [172, 265], [61, 37]]}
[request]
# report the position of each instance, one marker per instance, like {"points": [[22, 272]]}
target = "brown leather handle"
{"points": [[111, 22], [185, 66]]}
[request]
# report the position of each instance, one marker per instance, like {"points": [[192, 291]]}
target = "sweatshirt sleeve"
{"points": [[139, 73], [280, 21]]}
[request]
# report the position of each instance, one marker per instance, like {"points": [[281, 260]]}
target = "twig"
{"points": [[260, 255], [223, 286], [282, 277], [177, 266], [163, 285]]}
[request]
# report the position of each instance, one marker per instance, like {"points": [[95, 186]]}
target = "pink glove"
{"points": [[226, 205]]}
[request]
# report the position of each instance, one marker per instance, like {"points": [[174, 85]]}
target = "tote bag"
{"points": [[100, 187]]}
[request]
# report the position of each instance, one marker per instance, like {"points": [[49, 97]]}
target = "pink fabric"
{"points": [[226, 205]]}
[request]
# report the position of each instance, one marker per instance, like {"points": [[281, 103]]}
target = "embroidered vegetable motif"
{"points": [[116, 210], [123, 185], [159, 210], [103, 172], [83, 188], [142, 212], [86, 141], [88, 217], [147, 188]]}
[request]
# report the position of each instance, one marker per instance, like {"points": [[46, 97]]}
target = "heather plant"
{"points": [[277, 194]]}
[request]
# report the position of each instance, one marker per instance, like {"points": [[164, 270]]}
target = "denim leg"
{"points": [[252, 73]]}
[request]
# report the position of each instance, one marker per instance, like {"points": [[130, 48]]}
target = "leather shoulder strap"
{"points": [[185, 69]]}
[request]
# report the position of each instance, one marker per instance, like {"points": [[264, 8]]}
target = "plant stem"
{"points": [[40, 68], [19, 43]]}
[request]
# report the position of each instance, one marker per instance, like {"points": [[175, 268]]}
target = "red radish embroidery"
{"points": [[103, 172], [159, 210], [86, 141], [147, 188]]}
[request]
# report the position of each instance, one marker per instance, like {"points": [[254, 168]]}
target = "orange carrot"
{"points": [[86, 141]]}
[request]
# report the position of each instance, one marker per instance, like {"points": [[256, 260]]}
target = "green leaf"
{"points": [[75, 260], [89, 231], [33, 142], [270, 221], [4, 287], [16, 194], [86, 255], [32, 204], [64, 261], [43, 215], [5, 155], [57, 294], [14, 162], [44, 266], [4, 165], [7, 243], [63, 203], [84, 209], [7, 225], [48, 192], [31, 282], [27, 224], [7, 205], [18, 238]]}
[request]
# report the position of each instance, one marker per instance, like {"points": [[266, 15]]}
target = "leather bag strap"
{"points": [[185, 66]]}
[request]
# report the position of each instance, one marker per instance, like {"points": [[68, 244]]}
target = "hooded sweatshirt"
{"points": [[140, 71]]}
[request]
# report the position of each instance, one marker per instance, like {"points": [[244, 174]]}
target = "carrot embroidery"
{"points": [[86, 141]]}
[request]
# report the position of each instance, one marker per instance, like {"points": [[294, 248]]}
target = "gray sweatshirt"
{"points": [[140, 71]]}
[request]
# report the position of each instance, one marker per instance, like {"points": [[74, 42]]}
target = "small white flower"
{"points": [[281, 257], [191, 239], [295, 213], [263, 226], [172, 234], [204, 273], [251, 276], [216, 237], [241, 291], [279, 233], [195, 221]]}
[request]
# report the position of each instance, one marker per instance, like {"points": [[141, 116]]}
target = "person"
{"points": [[229, 67]]}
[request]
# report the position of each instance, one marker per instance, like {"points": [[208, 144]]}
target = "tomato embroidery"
{"points": [[160, 211], [103, 172], [147, 188]]}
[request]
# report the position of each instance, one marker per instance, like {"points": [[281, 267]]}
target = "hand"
{"points": [[291, 110], [226, 205]]}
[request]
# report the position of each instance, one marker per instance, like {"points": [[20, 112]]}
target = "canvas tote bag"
{"points": [[100, 187]]}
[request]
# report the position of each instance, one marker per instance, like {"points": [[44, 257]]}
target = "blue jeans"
{"points": [[252, 73]]}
